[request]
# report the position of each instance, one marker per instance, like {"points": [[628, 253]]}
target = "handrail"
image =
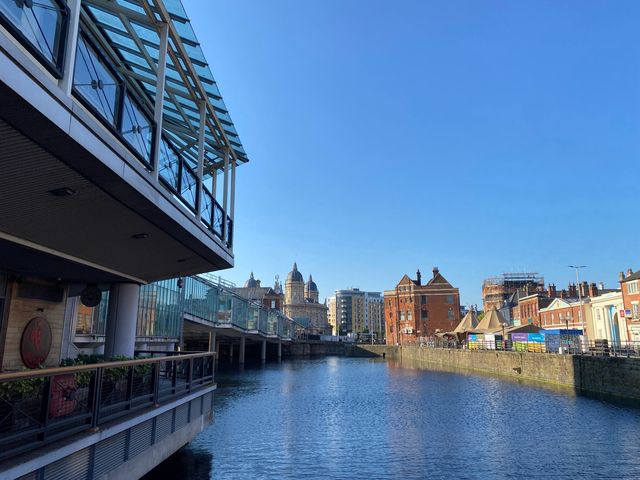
{"points": [[41, 372]]}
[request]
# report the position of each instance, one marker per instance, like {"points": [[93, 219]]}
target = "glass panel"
{"points": [[93, 80], [169, 165], [41, 23], [188, 187], [136, 128], [218, 216], [206, 207]]}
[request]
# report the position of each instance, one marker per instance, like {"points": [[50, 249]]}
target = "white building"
{"points": [[607, 321]]}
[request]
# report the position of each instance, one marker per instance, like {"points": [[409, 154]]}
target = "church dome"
{"points": [[311, 285], [295, 275], [251, 283]]}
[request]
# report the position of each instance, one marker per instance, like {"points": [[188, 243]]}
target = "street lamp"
{"points": [[577, 268]]}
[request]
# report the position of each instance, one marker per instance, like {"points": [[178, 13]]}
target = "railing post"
{"points": [[130, 375], [96, 392], [156, 382], [44, 413], [190, 375]]}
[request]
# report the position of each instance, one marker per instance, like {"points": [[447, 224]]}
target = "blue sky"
{"points": [[476, 136]]}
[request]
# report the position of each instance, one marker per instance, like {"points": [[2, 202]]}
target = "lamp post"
{"points": [[577, 268]]}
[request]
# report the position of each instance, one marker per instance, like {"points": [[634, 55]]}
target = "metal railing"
{"points": [[43, 406], [567, 344]]}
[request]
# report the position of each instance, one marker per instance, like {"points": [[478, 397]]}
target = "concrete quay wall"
{"points": [[609, 376]]}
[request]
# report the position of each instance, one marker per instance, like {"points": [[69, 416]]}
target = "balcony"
{"points": [[78, 412], [141, 184]]}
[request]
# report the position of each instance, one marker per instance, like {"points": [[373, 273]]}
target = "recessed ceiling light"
{"points": [[140, 236], [62, 192]]}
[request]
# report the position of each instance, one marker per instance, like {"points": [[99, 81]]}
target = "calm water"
{"points": [[344, 418]]}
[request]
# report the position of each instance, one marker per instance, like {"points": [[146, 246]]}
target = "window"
{"points": [[424, 299], [450, 315], [409, 316], [449, 299], [96, 83], [273, 304], [137, 129], [424, 314], [42, 27], [401, 316], [632, 287], [635, 311]]}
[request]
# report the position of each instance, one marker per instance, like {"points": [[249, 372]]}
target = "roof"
{"points": [[294, 274], [311, 285], [130, 29], [468, 323], [633, 276], [491, 322]]}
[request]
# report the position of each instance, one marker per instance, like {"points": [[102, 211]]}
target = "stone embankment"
{"points": [[609, 376]]}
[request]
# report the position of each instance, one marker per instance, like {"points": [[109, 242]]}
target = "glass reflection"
{"points": [[169, 165], [42, 23], [188, 186], [136, 128], [94, 81]]}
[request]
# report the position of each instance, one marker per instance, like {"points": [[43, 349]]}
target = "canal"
{"points": [[347, 418]]}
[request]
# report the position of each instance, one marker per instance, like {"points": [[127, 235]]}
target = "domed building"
{"points": [[269, 297], [301, 302]]}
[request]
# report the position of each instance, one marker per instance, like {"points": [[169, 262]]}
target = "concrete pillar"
{"points": [[263, 351], [213, 347], [279, 350], [122, 317], [242, 340]]}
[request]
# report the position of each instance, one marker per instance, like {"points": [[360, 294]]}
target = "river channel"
{"points": [[348, 418]]}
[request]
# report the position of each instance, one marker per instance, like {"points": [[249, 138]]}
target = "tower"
{"points": [[294, 287], [311, 290]]}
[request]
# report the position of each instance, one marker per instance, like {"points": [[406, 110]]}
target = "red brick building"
{"points": [[630, 286], [415, 310], [567, 313]]}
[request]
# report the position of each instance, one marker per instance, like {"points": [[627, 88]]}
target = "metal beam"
{"points": [[163, 31], [203, 119], [66, 82]]}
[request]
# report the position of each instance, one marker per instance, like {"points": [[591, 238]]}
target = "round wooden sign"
{"points": [[36, 342]]}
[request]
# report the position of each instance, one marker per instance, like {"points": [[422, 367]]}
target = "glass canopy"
{"points": [[130, 30]]}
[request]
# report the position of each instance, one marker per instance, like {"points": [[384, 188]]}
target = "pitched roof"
{"points": [[491, 322], [438, 279], [468, 323], [633, 276]]}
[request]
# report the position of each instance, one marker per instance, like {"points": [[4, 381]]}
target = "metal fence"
{"points": [[43, 406], [566, 344]]}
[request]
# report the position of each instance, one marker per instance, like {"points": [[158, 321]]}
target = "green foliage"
{"points": [[18, 389]]}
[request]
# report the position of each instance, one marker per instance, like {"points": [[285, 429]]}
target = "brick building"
{"points": [[630, 286], [413, 310], [567, 313], [269, 297]]}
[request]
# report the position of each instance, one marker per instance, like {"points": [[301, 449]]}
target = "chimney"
{"points": [[629, 272], [584, 289], [551, 291], [435, 271], [621, 276], [593, 290], [418, 277], [573, 291]]}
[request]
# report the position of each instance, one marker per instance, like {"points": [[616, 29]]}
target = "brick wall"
{"points": [[21, 310]]}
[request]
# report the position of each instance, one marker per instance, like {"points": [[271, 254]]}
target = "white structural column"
{"points": [[263, 351], [122, 317], [225, 192], [232, 200], [66, 82], [242, 342], [199, 173], [163, 32]]}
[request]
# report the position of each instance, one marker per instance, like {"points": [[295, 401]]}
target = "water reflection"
{"points": [[367, 419]]}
